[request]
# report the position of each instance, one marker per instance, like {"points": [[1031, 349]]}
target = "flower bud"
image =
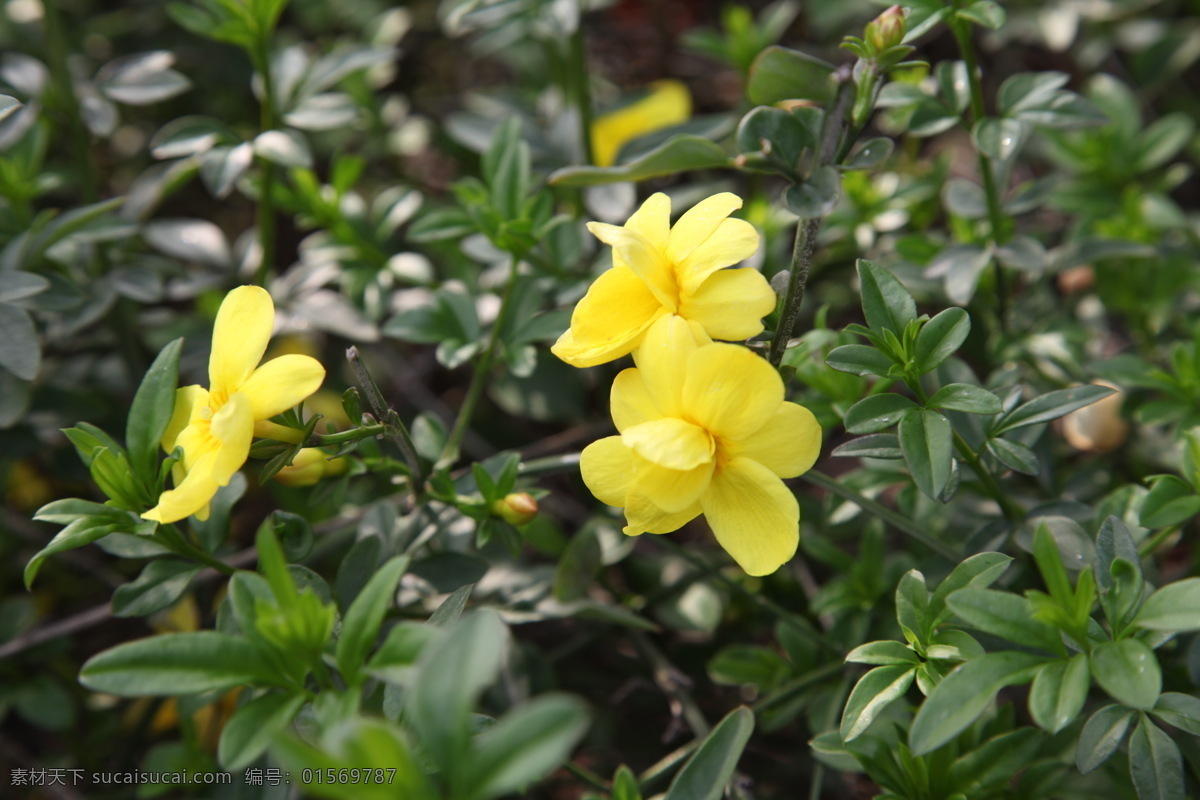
{"points": [[886, 30], [310, 465], [516, 508]]}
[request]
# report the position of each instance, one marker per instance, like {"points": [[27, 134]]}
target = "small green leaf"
{"points": [[877, 445], [877, 412], [1179, 711], [1051, 405], [978, 571], [994, 763], [815, 197], [360, 627], [882, 653], [964, 694], [964, 397], [998, 138], [452, 607], [1101, 736], [1006, 615], [1155, 763], [1128, 670], [782, 74], [578, 566], [926, 440], [20, 350], [250, 730], [625, 785], [707, 772], [1173, 608], [859, 359], [678, 154], [84, 530], [1058, 693], [874, 692], [1170, 502], [872, 153], [1161, 140], [887, 305], [1014, 455], [177, 663], [939, 338], [151, 411], [161, 583]]}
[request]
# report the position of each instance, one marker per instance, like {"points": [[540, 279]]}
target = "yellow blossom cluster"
{"points": [[703, 427]]}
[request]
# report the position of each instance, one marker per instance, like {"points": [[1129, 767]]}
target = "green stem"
{"points": [[56, 60], [171, 538], [893, 518], [1012, 512], [330, 439], [833, 131], [579, 88], [991, 192], [480, 374], [586, 775], [266, 190], [392, 424]]}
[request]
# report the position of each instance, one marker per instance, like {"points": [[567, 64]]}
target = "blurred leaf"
{"points": [[15, 285], [1171, 501], [160, 585], [816, 196], [1173, 608], [20, 349], [452, 607], [360, 626], [871, 154], [1155, 763], [678, 154], [1101, 736], [189, 240], [707, 772], [525, 744], [578, 566], [987, 13], [1058, 693], [286, 148], [250, 730], [323, 112], [177, 663], [779, 135], [782, 74], [1162, 140], [141, 79]]}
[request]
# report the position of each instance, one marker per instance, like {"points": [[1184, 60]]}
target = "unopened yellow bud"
{"points": [[886, 30], [516, 508], [310, 465]]}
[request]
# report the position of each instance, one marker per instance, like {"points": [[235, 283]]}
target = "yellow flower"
{"points": [[659, 271], [310, 465], [214, 426], [704, 429], [667, 104]]}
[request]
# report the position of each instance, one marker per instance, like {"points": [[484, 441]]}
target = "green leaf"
{"points": [[748, 664], [1014, 455], [707, 772], [782, 74], [1155, 763], [886, 304], [873, 693], [998, 138], [506, 169], [780, 136], [250, 730], [979, 571], [452, 607], [678, 154], [68, 510], [20, 351], [1161, 140], [1170, 502], [964, 397], [987, 13], [159, 586], [877, 412], [1006, 615], [525, 744], [84, 530], [451, 674], [1128, 670], [395, 659], [926, 440], [995, 762], [577, 567], [177, 663], [872, 153], [883, 653], [877, 445], [360, 626], [625, 785], [1058, 693], [1179, 711], [966, 693], [1173, 608], [859, 359], [816, 196], [1051, 405], [940, 337], [1101, 736]]}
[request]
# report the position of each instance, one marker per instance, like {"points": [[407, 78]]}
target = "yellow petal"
{"points": [[670, 442], [653, 220], [240, 337], [191, 496], [733, 241], [635, 251], [609, 321], [643, 516], [730, 391], [753, 515], [667, 104], [788, 444], [233, 429], [282, 383], [672, 490], [730, 304], [607, 469], [630, 400], [698, 223], [662, 360], [188, 399]]}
